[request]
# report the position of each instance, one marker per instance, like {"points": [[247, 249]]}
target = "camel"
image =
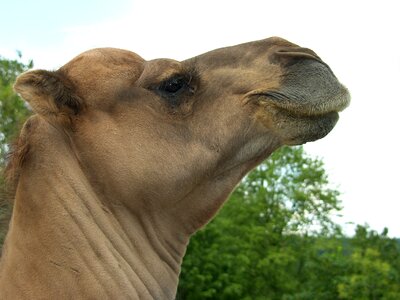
{"points": [[124, 159]]}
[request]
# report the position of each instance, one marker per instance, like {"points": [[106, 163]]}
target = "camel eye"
{"points": [[173, 85]]}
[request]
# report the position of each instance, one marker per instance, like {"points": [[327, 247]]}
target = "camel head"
{"points": [[176, 137]]}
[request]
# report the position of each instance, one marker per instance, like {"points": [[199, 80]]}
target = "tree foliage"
{"points": [[274, 239], [12, 108], [13, 112], [250, 249], [374, 267]]}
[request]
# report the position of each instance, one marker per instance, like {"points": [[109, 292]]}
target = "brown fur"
{"points": [[125, 159], [17, 156]]}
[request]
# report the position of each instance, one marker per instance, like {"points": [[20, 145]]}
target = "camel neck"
{"points": [[62, 232]]}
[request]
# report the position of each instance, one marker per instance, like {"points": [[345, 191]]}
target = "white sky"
{"points": [[360, 40]]}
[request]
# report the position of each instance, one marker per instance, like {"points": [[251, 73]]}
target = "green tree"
{"points": [[324, 262], [13, 112], [374, 271], [12, 107], [274, 239], [253, 248]]}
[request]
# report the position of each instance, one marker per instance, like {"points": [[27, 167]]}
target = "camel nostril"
{"points": [[296, 51], [291, 55]]}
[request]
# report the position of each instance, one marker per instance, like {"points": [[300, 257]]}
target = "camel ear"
{"points": [[48, 93]]}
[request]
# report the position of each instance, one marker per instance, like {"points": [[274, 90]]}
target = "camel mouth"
{"points": [[302, 120], [302, 107]]}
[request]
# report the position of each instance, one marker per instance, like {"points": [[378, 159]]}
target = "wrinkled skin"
{"points": [[125, 159]]}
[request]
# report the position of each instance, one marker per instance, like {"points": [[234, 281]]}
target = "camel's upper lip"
{"points": [[308, 87]]}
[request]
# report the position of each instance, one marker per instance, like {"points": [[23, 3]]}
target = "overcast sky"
{"points": [[360, 40]]}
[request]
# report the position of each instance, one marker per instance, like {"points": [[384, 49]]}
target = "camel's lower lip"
{"points": [[325, 123], [297, 128], [311, 128]]}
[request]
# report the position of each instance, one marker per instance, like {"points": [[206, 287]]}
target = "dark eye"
{"points": [[173, 85]]}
